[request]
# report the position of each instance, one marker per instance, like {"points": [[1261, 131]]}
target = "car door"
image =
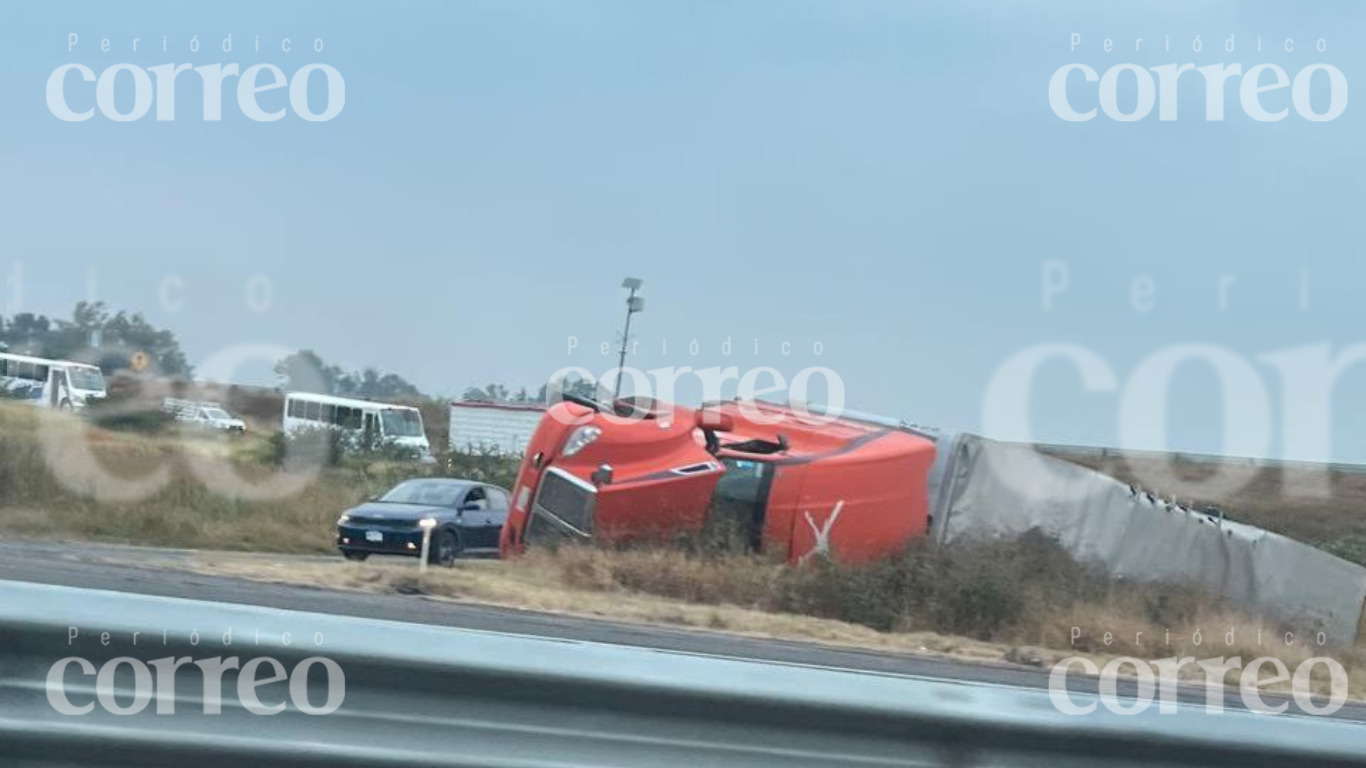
{"points": [[482, 513]]}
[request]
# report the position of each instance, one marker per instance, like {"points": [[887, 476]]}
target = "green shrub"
{"points": [[333, 448], [1351, 548], [308, 448], [483, 466], [127, 414], [993, 589]]}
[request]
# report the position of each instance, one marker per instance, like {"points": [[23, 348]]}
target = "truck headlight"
{"points": [[579, 439]]}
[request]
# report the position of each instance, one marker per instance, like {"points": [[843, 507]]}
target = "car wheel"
{"points": [[445, 548], [351, 554]]}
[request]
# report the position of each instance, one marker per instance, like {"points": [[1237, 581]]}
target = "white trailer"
{"points": [[504, 428]]}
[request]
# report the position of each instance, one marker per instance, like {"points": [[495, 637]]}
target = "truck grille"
{"points": [[561, 504]]}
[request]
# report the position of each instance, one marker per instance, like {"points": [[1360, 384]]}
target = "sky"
{"points": [[879, 189]]}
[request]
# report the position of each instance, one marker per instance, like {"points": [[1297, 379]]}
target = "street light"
{"points": [[634, 304]]}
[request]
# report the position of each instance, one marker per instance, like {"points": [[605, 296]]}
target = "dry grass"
{"points": [[589, 583], [1309, 503], [536, 583], [1021, 600], [82, 481]]}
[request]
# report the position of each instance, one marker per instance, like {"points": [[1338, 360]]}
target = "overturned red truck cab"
{"points": [[792, 484]]}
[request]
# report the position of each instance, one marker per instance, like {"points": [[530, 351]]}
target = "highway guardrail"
{"points": [[434, 696]]}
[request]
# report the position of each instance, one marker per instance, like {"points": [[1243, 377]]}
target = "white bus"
{"points": [[51, 383], [398, 424]]}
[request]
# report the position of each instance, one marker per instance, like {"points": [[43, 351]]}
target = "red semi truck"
{"points": [[790, 483]]}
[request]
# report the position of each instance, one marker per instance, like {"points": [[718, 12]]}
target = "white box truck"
{"points": [[499, 427]]}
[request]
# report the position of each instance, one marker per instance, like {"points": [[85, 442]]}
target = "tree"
{"points": [[89, 316], [133, 333], [26, 326], [121, 335], [571, 386], [493, 393], [497, 393], [306, 370], [372, 383]]}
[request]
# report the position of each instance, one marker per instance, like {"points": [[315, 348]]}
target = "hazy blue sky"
{"points": [[884, 178]]}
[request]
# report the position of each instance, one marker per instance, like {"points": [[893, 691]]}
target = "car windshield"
{"points": [[401, 422], [217, 413], [436, 493], [89, 379]]}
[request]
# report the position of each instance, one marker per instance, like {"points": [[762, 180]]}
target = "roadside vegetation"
{"points": [[184, 508], [1315, 504], [991, 602], [1024, 593]]}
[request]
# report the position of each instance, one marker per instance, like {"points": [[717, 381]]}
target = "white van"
{"points": [[51, 383], [398, 424]]}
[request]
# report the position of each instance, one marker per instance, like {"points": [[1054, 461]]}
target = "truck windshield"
{"points": [[401, 423], [89, 379]]}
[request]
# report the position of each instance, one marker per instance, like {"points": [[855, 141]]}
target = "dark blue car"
{"points": [[465, 517]]}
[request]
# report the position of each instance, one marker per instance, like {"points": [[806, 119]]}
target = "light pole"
{"points": [[634, 304], [426, 524]]}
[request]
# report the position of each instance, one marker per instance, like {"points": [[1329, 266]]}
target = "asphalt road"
{"points": [[107, 567]]}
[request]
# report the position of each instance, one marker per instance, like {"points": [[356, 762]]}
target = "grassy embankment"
{"points": [[1315, 504], [62, 477]]}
